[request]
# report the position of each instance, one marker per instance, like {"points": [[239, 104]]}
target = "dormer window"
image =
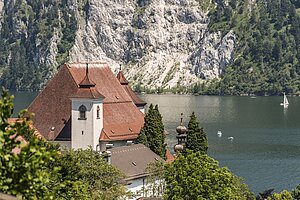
{"points": [[82, 112], [98, 112]]}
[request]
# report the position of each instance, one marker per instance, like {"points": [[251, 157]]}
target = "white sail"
{"points": [[285, 101]]}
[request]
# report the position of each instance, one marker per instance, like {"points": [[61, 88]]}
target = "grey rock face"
{"points": [[1, 9], [161, 43], [213, 54]]}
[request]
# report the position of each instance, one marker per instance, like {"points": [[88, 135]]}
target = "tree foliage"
{"points": [[296, 192], [152, 134], [266, 57], [32, 168], [28, 31], [196, 137], [99, 179], [24, 164], [284, 195], [197, 176], [265, 194]]}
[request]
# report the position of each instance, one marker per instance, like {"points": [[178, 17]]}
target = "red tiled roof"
{"points": [[106, 82], [86, 82], [169, 157], [89, 93], [122, 79], [14, 120], [136, 100], [52, 107]]}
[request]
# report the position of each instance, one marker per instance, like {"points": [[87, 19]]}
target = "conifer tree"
{"points": [[142, 138], [152, 134], [196, 137]]}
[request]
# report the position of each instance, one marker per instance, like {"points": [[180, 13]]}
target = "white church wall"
{"points": [[86, 132], [64, 145]]}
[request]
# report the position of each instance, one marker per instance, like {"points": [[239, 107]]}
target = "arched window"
{"points": [[82, 112], [98, 112]]}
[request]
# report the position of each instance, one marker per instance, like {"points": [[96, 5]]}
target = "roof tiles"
{"points": [[52, 107], [133, 160], [136, 100]]}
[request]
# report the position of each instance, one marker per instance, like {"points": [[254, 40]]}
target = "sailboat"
{"points": [[285, 103]]}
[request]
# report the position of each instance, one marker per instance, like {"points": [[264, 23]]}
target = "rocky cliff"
{"points": [[160, 43]]}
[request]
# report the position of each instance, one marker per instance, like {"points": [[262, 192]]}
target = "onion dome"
{"points": [[181, 129], [181, 137], [178, 147]]}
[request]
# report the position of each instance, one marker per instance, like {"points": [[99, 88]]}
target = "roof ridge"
{"points": [[128, 148], [121, 78], [68, 67], [113, 102], [93, 62]]}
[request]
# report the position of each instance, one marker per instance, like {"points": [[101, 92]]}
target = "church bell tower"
{"points": [[87, 114]]}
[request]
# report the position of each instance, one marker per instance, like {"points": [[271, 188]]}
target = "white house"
{"points": [[133, 160]]}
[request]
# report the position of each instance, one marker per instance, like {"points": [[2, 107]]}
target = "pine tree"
{"points": [[152, 134], [142, 138], [159, 143], [196, 137]]}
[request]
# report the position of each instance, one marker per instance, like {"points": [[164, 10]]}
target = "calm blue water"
{"points": [[266, 146]]}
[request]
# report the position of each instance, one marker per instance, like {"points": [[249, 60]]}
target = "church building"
{"points": [[85, 104]]}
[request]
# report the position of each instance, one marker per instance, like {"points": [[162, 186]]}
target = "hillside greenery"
{"points": [[266, 59], [27, 30]]}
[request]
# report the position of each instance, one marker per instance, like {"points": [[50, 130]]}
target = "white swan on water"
{"points": [[230, 138]]}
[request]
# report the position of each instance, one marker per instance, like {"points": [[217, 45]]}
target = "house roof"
{"points": [[20, 120], [121, 78], [133, 160], [136, 100], [169, 157], [86, 82], [52, 107], [88, 93]]}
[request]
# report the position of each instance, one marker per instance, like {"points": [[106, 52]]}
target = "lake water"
{"points": [[266, 146]]}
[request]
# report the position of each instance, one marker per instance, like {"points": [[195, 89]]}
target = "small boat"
{"points": [[219, 133], [285, 103], [230, 138]]}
